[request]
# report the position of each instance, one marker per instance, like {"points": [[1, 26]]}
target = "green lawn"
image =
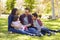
{"points": [[51, 24]]}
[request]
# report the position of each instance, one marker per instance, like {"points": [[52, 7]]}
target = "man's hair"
{"points": [[15, 18], [27, 9], [35, 14]]}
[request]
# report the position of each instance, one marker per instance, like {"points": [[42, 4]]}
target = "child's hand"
{"points": [[28, 25]]}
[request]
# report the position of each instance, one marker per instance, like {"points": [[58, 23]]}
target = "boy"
{"points": [[38, 24]]}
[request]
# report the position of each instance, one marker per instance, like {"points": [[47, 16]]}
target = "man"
{"points": [[26, 18]]}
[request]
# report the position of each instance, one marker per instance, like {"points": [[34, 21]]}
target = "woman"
{"points": [[11, 27], [10, 18]]}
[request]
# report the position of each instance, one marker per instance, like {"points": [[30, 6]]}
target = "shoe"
{"points": [[10, 32], [40, 35], [58, 31], [32, 35], [48, 34], [54, 33]]}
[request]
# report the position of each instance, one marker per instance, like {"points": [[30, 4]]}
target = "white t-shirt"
{"points": [[19, 25]]}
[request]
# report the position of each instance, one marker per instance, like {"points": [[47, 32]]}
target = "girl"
{"points": [[18, 24]]}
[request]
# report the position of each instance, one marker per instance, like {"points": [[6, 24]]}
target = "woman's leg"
{"points": [[20, 31]]}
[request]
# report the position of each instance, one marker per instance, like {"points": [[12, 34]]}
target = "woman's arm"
{"points": [[14, 26]]}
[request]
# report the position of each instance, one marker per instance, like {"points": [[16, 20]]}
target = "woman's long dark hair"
{"points": [[13, 11]]}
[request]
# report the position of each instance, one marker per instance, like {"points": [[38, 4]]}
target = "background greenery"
{"points": [[41, 6]]}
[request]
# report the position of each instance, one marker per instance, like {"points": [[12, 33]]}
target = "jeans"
{"points": [[27, 32], [19, 31], [45, 30], [33, 30]]}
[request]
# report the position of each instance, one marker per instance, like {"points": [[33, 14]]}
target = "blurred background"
{"points": [[46, 7]]}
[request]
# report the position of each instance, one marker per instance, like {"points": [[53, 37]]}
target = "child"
{"points": [[19, 26], [38, 24]]}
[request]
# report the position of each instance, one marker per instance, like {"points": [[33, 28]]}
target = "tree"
{"points": [[57, 3], [1, 8], [10, 4], [53, 10], [30, 4]]}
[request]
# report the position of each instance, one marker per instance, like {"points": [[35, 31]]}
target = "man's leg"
{"points": [[32, 30], [45, 30]]}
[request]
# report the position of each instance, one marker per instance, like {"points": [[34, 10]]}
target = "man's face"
{"points": [[27, 11]]}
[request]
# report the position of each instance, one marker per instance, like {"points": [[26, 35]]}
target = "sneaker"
{"points": [[58, 31], [49, 34], [10, 32], [39, 35], [42, 35], [32, 35], [54, 33]]}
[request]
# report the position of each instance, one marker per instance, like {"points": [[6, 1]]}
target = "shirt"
{"points": [[21, 27], [26, 20], [36, 24]]}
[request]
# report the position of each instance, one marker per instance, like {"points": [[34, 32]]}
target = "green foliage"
{"points": [[48, 8], [30, 4], [10, 4]]}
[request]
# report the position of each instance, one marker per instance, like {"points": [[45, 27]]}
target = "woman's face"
{"points": [[17, 12]]}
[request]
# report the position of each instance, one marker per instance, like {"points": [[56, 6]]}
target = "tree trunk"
{"points": [[53, 10], [58, 8]]}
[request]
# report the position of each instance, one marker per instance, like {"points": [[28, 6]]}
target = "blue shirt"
{"points": [[10, 19]]}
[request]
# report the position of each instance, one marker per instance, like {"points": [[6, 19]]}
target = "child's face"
{"points": [[18, 19], [34, 18]]}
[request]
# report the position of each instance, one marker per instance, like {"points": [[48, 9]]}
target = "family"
{"points": [[27, 23]]}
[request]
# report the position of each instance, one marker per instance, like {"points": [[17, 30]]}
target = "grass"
{"points": [[51, 24]]}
